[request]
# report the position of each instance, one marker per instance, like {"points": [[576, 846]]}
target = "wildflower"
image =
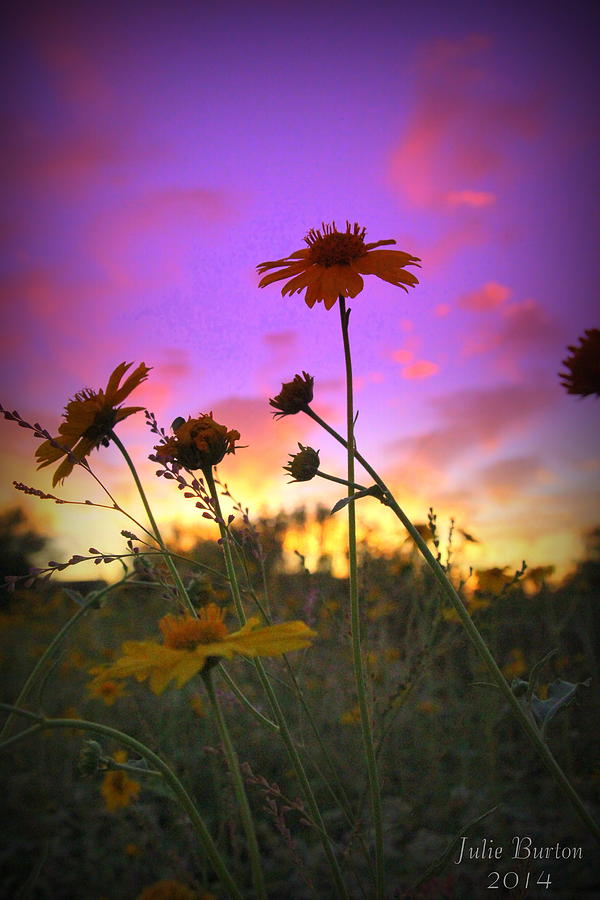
{"points": [[168, 890], [294, 396], [304, 465], [351, 717], [90, 418], [516, 664], [118, 789], [333, 262], [583, 363], [189, 644], [108, 691], [199, 443]]}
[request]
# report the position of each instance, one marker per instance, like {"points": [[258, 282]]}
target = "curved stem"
{"points": [[167, 774], [476, 640], [92, 601], [359, 669], [183, 594], [238, 786]]}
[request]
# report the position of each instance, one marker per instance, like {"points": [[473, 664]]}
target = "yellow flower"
{"points": [[118, 789], [90, 418], [108, 691], [333, 262], [168, 890], [351, 717], [198, 443], [189, 643]]}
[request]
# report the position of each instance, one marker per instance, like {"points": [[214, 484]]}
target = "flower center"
{"points": [[185, 633], [331, 247]]}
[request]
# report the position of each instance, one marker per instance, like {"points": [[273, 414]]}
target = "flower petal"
{"points": [[289, 271], [297, 284], [115, 396], [273, 640]]}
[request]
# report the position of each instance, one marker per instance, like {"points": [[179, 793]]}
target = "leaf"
{"points": [[373, 491], [560, 695]]}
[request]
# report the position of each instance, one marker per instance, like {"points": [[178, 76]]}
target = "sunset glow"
{"points": [[157, 154]]}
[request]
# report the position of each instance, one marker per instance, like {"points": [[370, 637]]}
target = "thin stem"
{"points": [[359, 669], [92, 601], [243, 699], [476, 640], [167, 773], [274, 703], [356, 487], [238, 786], [183, 594]]}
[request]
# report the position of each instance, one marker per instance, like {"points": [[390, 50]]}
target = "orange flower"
{"points": [[198, 443], [333, 262], [90, 418], [583, 363], [190, 643], [107, 691]]}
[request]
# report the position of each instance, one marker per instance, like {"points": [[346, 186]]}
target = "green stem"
{"points": [[238, 786], [274, 703], [168, 775], [93, 600], [183, 594], [476, 640], [359, 670], [243, 699]]}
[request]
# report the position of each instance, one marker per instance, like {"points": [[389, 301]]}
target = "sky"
{"points": [[155, 153]]}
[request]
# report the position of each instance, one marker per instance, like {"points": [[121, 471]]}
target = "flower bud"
{"points": [[294, 396], [304, 465], [90, 758]]}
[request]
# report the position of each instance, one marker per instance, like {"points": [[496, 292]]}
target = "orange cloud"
{"points": [[507, 478]]}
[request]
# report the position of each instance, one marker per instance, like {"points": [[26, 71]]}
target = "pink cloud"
{"points": [[402, 356], [475, 419], [459, 137], [281, 340], [71, 156], [470, 198], [441, 310], [420, 369], [120, 239], [490, 296], [525, 327]]}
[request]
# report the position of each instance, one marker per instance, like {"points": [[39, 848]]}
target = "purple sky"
{"points": [[155, 153]]}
